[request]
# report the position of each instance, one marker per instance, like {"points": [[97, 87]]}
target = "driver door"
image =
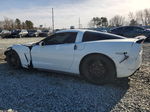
{"points": [[56, 53]]}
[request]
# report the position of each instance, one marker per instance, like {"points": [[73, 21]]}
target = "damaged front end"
{"points": [[6, 52], [24, 53]]}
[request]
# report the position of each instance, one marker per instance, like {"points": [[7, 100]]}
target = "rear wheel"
{"points": [[98, 69], [13, 59]]}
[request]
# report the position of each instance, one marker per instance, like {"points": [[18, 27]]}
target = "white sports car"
{"points": [[99, 57]]}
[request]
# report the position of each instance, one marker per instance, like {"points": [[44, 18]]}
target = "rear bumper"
{"points": [[129, 67], [135, 72]]}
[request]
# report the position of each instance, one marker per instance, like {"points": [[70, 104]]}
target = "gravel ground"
{"points": [[39, 91]]}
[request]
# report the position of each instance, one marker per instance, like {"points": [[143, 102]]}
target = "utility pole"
{"points": [[52, 20], [79, 23]]}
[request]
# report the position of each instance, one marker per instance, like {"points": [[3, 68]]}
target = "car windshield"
{"points": [[24, 30], [15, 31], [5, 31]]}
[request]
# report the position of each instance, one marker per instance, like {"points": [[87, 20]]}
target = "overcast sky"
{"points": [[67, 12]]}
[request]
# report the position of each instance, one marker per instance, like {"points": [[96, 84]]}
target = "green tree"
{"points": [[104, 21], [98, 22], [18, 23], [95, 22], [29, 24], [117, 21], [23, 25], [133, 22]]}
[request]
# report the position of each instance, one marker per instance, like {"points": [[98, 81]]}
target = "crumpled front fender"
{"points": [[23, 53]]}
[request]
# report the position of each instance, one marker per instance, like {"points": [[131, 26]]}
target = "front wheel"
{"points": [[98, 69], [13, 59]]}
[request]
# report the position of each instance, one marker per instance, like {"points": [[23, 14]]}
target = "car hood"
{"points": [[29, 44]]}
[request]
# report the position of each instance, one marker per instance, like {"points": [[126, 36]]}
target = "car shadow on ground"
{"points": [[31, 90]]}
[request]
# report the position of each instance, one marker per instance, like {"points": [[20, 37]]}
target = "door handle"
{"points": [[75, 47]]}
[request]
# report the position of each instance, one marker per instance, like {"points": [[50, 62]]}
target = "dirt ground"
{"points": [[38, 91]]}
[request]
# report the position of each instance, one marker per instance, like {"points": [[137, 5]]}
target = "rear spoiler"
{"points": [[141, 39]]}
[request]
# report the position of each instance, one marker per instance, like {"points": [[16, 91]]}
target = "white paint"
{"points": [[64, 58]]}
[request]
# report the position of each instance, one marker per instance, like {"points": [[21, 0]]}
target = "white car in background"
{"points": [[23, 33], [4, 33], [99, 57]]}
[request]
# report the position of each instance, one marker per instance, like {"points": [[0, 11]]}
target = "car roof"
{"points": [[127, 27], [84, 30], [76, 30]]}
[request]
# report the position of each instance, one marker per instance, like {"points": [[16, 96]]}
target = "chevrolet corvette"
{"points": [[97, 56]]}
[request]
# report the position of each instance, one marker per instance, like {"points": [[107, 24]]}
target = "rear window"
{"points": [[93, 36]]}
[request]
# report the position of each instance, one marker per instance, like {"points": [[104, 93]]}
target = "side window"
{"points": [[93, 36], [61, 38]]}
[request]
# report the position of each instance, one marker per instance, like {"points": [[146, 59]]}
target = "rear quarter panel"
{"points": [[112, 49]]}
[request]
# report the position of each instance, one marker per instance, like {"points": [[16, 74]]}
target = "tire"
{"points": [[98, 69], [13, 59]]}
